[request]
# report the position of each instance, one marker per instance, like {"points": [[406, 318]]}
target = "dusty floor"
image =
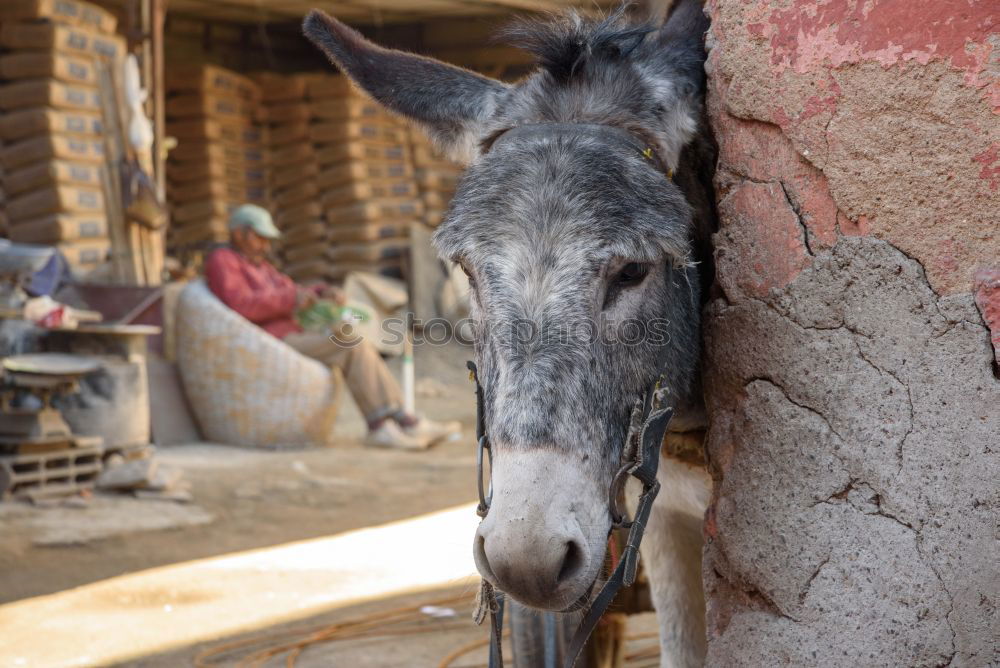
{"points": [[417, 641], [246, 499], [433, 641]]}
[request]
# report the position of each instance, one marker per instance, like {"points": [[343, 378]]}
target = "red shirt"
{"points": [[258, 292]]}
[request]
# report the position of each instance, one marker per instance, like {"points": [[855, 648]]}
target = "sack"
{"points": [[326, 316], [139, 197]]}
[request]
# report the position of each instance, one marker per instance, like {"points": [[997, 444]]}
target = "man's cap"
{"points": [[256, 218]]}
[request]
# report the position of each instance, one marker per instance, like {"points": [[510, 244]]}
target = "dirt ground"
{"points": [[397, 646], [244, 499], [247, 499], [411, 643]]}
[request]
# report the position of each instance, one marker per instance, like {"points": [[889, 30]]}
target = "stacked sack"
{"points": [[220, 160], [293, 171], [51, 124], [436, 178], [4, 225], [4, 220], [367, 194]]}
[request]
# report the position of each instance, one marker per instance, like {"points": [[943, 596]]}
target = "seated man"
{"points": [[246, 282]]}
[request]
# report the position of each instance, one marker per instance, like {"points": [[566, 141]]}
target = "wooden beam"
{"points": [[484, 57], [154, 12], [525, 5], [155, 15], [114, 151], [252, 12], [363, 11]]}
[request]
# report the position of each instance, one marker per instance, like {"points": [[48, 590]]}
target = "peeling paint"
{"points": [[888, 32], [987, 291], [768, 243], [905, 152], [852, 362], [990, 171], [852, 415]]}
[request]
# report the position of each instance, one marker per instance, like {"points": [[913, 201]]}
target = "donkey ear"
{"points": [[682, 42], [680, 75], [449, 102]]}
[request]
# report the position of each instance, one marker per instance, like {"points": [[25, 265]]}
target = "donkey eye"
{"points": [[468, 274], [632, 274], [629, 276]]}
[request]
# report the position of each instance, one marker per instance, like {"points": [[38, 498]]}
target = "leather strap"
{"points": [[608, 133], [641, 455], [642, 452], [480, 413], [624, 573], [496, 631], [623, 576]]}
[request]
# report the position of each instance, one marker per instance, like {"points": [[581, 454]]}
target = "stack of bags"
{"points": [[220, 160], [4, 220], [367, 193], [4, 225], [436, 178], [341, 182], [52, 154], [295, 203]]}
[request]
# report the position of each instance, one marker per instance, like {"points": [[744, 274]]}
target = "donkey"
{"points": [[582, 222]]}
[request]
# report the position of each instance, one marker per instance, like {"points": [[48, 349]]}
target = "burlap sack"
{"points": [[246, 387]]}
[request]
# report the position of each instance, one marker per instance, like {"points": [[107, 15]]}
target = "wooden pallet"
{"points": [[43, 474]]}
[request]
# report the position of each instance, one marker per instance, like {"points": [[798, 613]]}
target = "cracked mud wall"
{"points": [[851, 353]]}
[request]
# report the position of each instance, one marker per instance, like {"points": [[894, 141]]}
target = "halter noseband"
{"points": [[609, 133], [640, 459], [640, 452]]}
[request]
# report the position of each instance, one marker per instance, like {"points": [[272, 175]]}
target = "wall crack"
{"points": [[769, 381], [870, 159], [798, 218], [947, 594], [805, 589], [900, 447]]}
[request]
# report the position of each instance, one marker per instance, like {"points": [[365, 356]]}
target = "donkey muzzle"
{"points": [[543, 540]]}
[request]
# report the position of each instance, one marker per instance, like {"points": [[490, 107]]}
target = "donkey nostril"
{"points": [[572, 562], [482, 563]]}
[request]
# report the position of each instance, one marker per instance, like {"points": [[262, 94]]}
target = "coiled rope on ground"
{"points": [[257, 650]]}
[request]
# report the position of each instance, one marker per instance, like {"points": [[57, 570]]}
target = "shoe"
{"points": [[391, 435], [432, 431]]}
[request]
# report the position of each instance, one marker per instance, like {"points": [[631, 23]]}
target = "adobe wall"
{"points": [[851, 379]]}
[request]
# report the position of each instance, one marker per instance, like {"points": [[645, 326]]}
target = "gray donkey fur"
{"points": [[569, 231]]}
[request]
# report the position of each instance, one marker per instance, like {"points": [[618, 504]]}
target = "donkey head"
{"points": [[577, 246]]}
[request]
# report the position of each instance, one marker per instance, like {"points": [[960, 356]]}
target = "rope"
{"points": [[402, 621], [463, 650], [254, 651]]}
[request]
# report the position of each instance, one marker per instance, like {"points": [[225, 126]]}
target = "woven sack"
{"points": [[246, 387]]}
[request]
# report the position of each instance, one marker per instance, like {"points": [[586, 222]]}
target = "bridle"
{"points": [[610, 133], [640, 452], [640, 460]]}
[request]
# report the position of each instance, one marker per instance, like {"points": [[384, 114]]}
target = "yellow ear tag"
{"points": [[648, 154], [670, 174]]}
